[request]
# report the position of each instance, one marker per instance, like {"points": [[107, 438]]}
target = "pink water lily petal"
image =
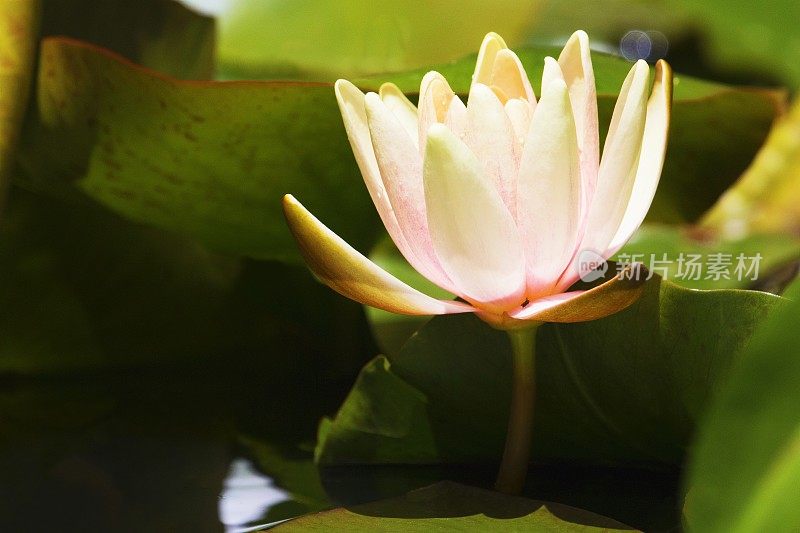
{"points": [[549, 190], [351, 105], [619, 162], [651, 160], [456, 117], [403, 109], [576, 66], [473, 233], [401, 170], [490, 135], [345, 270]]}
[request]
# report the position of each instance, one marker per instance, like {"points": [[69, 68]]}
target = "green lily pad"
{"points": [[18, 27], [452, 507], [745, 469], [323, 40], [627, 389], [389, 329], [213, 159]]}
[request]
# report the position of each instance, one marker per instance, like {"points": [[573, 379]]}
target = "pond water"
{"points": [[211, 448]]}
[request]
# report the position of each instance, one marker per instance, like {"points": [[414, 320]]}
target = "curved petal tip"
{"points": [[345, 270]]}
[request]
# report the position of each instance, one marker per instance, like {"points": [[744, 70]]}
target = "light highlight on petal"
{"points": [[651, 160], [351, 105], [619, 162], [484, 66], [549, 191]]}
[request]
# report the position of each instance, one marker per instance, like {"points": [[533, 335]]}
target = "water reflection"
{"points": [[246, 497]]}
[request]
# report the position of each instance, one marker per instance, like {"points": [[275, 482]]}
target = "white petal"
{"points": [[576, 65], [549, 190], [456, 117], [435, 101], [351, 105], [473, 233], [341, 267], [651, 160], [619, 163], [402, 108], [600, 301], [519, 113], [400, 167], [551, 72], [491, 138]]}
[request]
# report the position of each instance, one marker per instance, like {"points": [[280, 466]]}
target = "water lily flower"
{"points": [[495, 200], [499, 200]]}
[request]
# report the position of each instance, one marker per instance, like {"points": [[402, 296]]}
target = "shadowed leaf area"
{"points": [[624, 390]]}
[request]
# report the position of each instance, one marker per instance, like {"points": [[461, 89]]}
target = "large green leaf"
{"points": [[626, 389], [19, 21], [745, 469], [208, 159], [323, 40], [453, 507], [213, 159]]}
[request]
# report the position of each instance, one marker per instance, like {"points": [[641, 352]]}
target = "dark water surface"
{"points": [[143, 450], [210, 448]]}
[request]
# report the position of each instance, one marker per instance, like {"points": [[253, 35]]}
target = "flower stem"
{"points": [[514, 467]]}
